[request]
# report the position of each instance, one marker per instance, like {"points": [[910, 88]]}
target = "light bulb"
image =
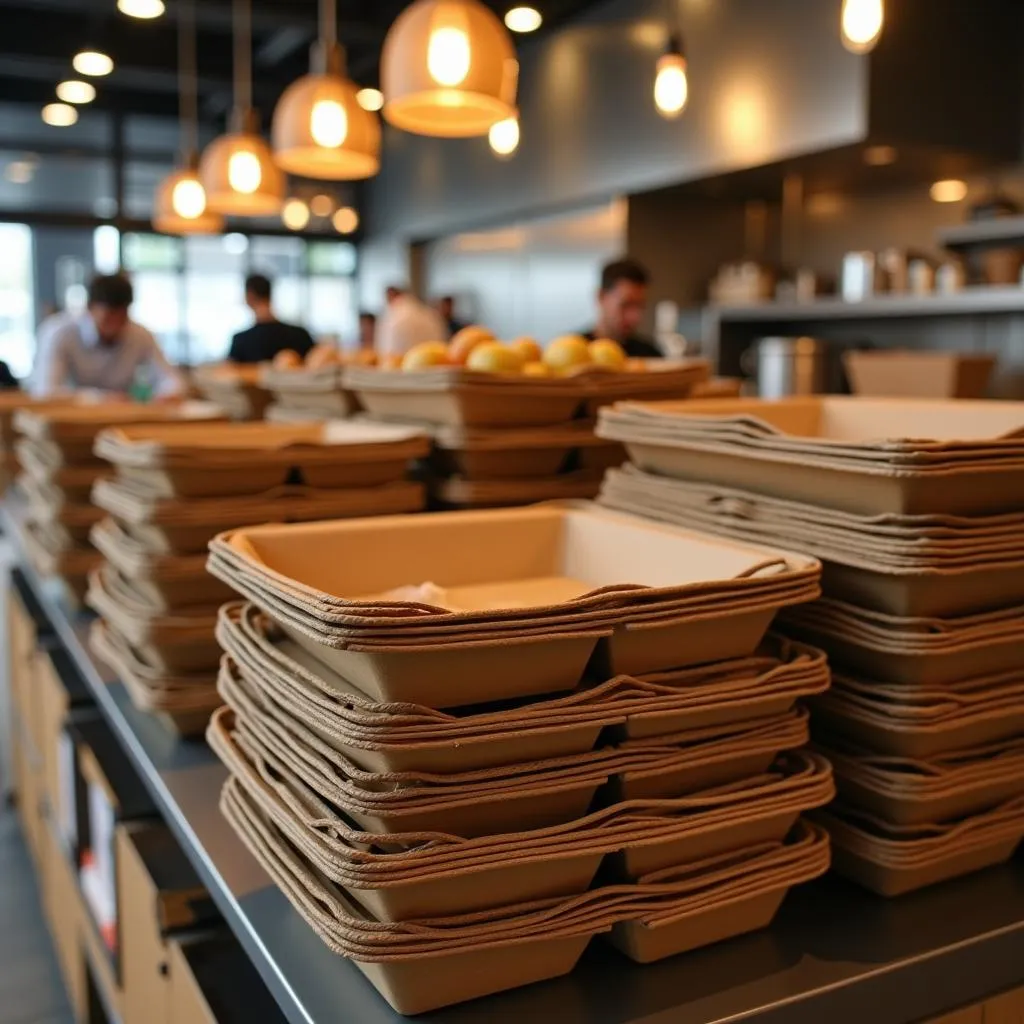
{"points": [[671, 89], [92, 63], [76, 92], [141, 8], [295, 215], [523, 19], [448, 56], [321, 205], [328, 124], [951, 190], [346, 220], [862, 22], [60, 115], [188, 200], [244, 172], [504, 136], [370, 99]]}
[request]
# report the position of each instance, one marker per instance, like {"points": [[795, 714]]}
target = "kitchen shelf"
{"points": [[835, 952], [995, 232], [969, 302]]}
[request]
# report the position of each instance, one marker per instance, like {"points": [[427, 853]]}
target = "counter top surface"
{"points": [[835, 953]]}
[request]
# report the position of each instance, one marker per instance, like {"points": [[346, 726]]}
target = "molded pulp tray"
{"points": [[427, 965], [451, 396], [564, 566], [514, 454], [843, 453], [150, 690], [43, 462], [913, 650], [409, 737], [904, 791], [892, 860], [903, 565], [459, 493], [908, 720], [518, 796], [73, 428], [177, 643], [310, 389], [236, 388], [177, 526], [251, 458]]}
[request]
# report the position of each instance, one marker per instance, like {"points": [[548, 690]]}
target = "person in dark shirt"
{"points": [[621, 305], [268, 336], [8, 382], [446, 308]]}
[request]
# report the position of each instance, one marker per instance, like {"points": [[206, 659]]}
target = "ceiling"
{"points": [[40, 36]]}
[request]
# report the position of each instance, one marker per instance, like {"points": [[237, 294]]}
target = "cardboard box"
{"points": [[60, 690], [62, 906], [209, 973], [158, 893], [909, 374]]}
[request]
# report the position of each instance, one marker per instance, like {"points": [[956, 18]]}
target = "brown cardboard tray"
{"points": [[73, 428], [501, 565], [911, 650], [823, 451], [403, 737], [924, 722], [438, 968], [236, 388], [43, 462], [450, 875], [912, 374], [905, 791], [884, 562], [250, 458], [893, 860], [457, 492]]}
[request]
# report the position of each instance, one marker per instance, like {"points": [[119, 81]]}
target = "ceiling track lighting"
{"points": [[320, 129], [448, 70], [144, 10], [861, 24], [238, 169], [93, 63], [180, 206], [504, 137]]}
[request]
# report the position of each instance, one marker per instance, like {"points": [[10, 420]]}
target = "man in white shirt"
{"points": [[405, 323], [102, 349]]}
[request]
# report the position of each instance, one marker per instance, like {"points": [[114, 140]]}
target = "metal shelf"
{"points": [[835, 953], [969, 302], [996, 232]]}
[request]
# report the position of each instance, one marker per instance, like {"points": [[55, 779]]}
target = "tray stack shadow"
{"points": [[502, 440], [171, 489], [579, 726], [916, 511], [58, 470]]}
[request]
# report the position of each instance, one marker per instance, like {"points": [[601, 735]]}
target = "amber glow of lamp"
{"points": [[320, 129], [449, 70], [179, 207], [671, 85], [861, 23], [238, 170]]}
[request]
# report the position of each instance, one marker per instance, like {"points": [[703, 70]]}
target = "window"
{"points": [[17, 334]]}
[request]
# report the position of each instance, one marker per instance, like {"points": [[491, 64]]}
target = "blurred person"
{"points": [[268, 336], [621, 306], [406, 323], [103, 348], [446, 309], [8, 382], [367, 331]]}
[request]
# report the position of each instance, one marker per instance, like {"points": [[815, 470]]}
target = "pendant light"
{"points": [[671, 87], [180, 204], [861, 22], [448, 69], [238, 169], [320, 129]]}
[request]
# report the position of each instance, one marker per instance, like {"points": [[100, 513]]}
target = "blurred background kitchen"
{"points": [[801, 178]]}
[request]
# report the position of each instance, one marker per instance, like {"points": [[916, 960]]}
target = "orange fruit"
{"points": [[425, 355], [493, 357], [463, 343], [566, 354], [608, 353]]}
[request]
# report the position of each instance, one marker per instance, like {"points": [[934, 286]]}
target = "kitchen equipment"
{"points": [[788, 366]]}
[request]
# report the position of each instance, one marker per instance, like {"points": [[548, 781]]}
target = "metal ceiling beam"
{"points": [[216, 16]]}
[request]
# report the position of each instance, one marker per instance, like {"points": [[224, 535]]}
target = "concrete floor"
{"points": [[31, 990]]}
